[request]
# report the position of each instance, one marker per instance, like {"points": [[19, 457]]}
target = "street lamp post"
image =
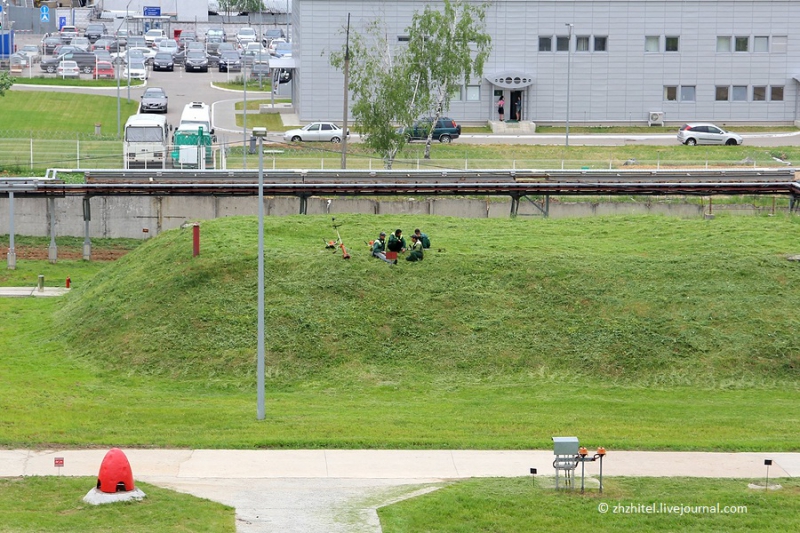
{"points": [[244, 116], [569, 71], [128, 31], [260, 410]]}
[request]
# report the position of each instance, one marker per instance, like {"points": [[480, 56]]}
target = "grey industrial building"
{"points": [[626, 62]]}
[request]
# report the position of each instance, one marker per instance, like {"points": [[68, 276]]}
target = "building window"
{"points": [[721, 93], [760, 44], [739, 93], [723, 44], [582, 43], [473, 93], [671, 93], [688, 93], [562, 44], [403, 38], [779, 44], [651, 44], [671, 44], [601, 44], [759, 94], [776, 93], [457, 94], [741, 44], [545, 44]]}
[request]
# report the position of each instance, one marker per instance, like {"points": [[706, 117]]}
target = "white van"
{"points": [[196, 115], [146, 142]]}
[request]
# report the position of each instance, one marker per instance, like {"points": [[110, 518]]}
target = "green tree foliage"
{"points": [[6, 81], [247, 6], [446, 49], [385, 91]]}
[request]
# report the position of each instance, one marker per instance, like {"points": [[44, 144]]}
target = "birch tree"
{"points": [[384, 91], [447, 48]]}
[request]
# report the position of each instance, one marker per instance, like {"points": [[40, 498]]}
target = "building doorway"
{"points": [[516, 110]]}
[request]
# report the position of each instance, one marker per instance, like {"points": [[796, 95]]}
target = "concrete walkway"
{"points": [[330, 491]]}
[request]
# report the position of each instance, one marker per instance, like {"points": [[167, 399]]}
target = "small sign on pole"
{"points": [[58, 462]]}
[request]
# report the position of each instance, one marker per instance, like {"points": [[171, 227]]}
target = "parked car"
{"points": [[106, 43], [154, 36], [31, 51], [283, 50], [270, 34], [121, 35], [316, 131], [164, 61], [85, 61], [103, 55], [135, 70], [67, 33], [145, 53], [81, 42], [154, 100], [446, 130], [104, 69], [185, 38], [274, 45], [216, 32], [167, 45], [260, 72], [230, 61], [136, 41], [196, 60], [212, 45], [706, 133], [246, 35], [94, 31], [49, 44], [68, 69]]}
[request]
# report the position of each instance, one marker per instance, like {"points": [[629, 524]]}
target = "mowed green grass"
{"points": [[677, 504], [55, 504], [631, 332], [42, 111]]}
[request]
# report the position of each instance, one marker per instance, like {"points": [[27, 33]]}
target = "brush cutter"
{"points": [[338, 242]]}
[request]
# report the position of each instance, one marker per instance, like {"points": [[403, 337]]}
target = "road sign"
{"points": [[150, 11], [44, 9], [58, 461], [44, 17]]}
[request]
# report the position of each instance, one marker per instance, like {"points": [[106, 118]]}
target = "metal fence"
{"points": [[44, 150]]}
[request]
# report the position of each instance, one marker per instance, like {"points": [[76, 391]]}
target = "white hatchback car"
{"points": [[246, 35], [68, 69], [136, 70], [706, 133], [316, 131]]}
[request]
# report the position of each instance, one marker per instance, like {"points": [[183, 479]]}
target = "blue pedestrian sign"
{"points": [[44, 14]]}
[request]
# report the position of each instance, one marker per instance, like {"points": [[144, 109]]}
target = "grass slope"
{"points": [[54, 504], [517, 505], [636, 333]]}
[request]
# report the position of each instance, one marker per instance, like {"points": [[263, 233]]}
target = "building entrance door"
{"points": [[515, 110]]}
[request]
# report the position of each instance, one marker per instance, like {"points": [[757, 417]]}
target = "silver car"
{"points": [[706, 133], [154, 100], [316, 131]]}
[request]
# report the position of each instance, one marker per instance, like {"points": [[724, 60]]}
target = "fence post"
{"points": [[78, 153], [31, 152]]}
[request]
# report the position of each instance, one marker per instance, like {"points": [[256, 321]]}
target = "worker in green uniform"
{"points": [[416, 249]]}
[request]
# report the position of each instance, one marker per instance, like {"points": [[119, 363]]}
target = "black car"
{"points": [[106, 43], [86, 61], [186, 37], [196, 60], [164, 61], [95, 31], [230, 62], [49, 44], [446, 130]]}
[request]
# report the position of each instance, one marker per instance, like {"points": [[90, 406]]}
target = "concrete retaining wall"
{"points": [[141, 217]]}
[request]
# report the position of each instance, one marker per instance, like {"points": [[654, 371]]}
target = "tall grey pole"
{"points": [[11, 256], [244, 117], [346, 83], [128, 31], [261, 409], [569, 72]]}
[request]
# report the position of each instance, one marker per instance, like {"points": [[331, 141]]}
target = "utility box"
{"points": [[565, 446]]}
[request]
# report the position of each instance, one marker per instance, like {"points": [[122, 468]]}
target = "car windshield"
{"points": [[153, 93], [137, 65], [163, 56], [246, 32], [196, 54]]}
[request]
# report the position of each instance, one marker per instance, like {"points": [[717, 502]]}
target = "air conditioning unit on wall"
{"points": [[655, 118]]}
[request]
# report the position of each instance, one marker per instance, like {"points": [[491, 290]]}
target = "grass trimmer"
{"points": [[338, 242]]}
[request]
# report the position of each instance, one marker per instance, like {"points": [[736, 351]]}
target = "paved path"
{"points": [[331, 491]]}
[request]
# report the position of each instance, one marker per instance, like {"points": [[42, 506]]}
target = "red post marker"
{"points": [[196, 240], [69, 282]]}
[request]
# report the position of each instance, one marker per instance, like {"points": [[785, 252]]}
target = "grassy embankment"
{"points": [[637, 333]]}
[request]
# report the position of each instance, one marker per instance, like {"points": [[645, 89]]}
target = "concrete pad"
{"points": [[12, 462], [685, 464], [23, 292]]}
